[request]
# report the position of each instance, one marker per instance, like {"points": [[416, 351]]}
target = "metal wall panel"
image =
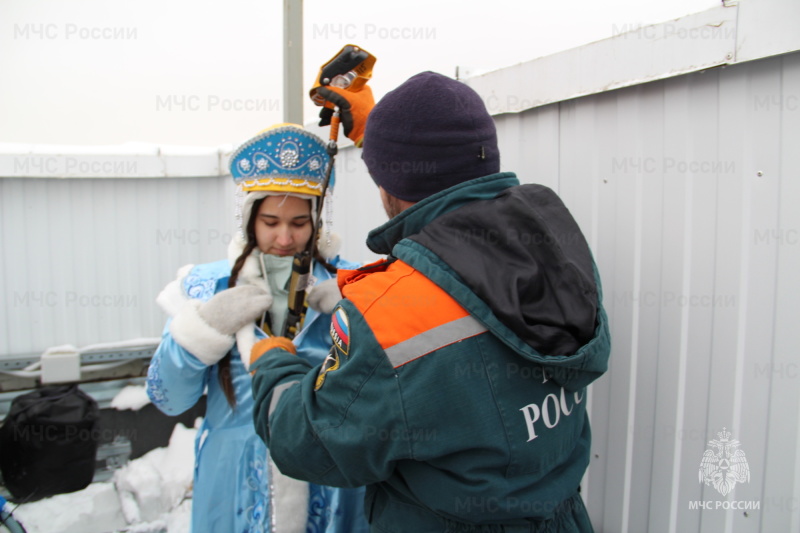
{"points": [[356, 207], [686, 190], [83, 259]]}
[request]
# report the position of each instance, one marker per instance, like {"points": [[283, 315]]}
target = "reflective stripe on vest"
{"points": [[434, 339], [276, 395]]}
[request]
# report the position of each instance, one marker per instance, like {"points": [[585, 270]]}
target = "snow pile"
{"points": [[148, 490], [151, 494], [92, 510]]}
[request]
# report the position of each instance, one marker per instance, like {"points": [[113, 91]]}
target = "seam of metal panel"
{"points": [[637, 279], [683, 354], [744, 275], [502, 89], [683, 46]]}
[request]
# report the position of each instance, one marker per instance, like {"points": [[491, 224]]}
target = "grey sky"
{"points": [[207, 73]]}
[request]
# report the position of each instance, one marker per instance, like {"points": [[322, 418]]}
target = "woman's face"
{"points": [[283, 225]]}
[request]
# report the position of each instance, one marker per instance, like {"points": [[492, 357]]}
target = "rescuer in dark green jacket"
{"points": [[456, 386]]}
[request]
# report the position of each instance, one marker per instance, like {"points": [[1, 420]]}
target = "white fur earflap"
{"points": [[172, 298], [247, 207], [252, 197], [201, 340], [329, 244]]}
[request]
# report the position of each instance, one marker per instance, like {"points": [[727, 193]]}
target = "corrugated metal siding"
{"points": [[356, 206], [687, 191], [83, 259]]}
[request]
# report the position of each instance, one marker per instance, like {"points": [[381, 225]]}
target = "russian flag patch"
{"points": [[340, 330]]}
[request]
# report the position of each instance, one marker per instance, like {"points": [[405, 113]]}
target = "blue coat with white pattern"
{"points": [[236, 487]]}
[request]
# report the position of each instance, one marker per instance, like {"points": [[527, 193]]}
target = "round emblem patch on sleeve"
{"points": [[330, 364], [340, 334]]}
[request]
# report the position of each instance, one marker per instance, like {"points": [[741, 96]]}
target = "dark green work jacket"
{"points": [[456, 385]]}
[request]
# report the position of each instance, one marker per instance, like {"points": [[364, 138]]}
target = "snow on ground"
{"points": [[151, 494]]}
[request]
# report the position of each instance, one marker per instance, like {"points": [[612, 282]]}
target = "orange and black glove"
{"points": [[354, 108]]}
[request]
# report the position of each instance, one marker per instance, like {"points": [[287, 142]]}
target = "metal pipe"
{"points": [[293, 61]]}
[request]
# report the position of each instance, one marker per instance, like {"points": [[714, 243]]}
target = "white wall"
{"points": [[686, 190], [84, 258]]}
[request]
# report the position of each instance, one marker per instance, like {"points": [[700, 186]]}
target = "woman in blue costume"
{"points": [[217, 312]]}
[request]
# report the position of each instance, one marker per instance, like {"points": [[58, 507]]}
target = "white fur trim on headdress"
{"points": [[247, 207], [195, 335], [253, 196]]}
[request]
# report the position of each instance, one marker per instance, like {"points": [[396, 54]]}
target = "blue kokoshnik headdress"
{"points": [[283, 158]]}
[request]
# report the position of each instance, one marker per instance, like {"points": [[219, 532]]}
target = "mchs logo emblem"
{"points": [[724, 464], [340, 334]]}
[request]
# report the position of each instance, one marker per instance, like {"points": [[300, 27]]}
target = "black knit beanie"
{"points": [[430, 133]]}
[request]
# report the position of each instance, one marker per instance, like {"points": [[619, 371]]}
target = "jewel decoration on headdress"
{"points": [[289, 157]]}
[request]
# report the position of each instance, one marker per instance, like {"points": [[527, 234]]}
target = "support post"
{"points": [[293, 61]]}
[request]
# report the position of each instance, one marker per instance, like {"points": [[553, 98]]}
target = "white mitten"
{"points": [[206, 329], [324, 296]]}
